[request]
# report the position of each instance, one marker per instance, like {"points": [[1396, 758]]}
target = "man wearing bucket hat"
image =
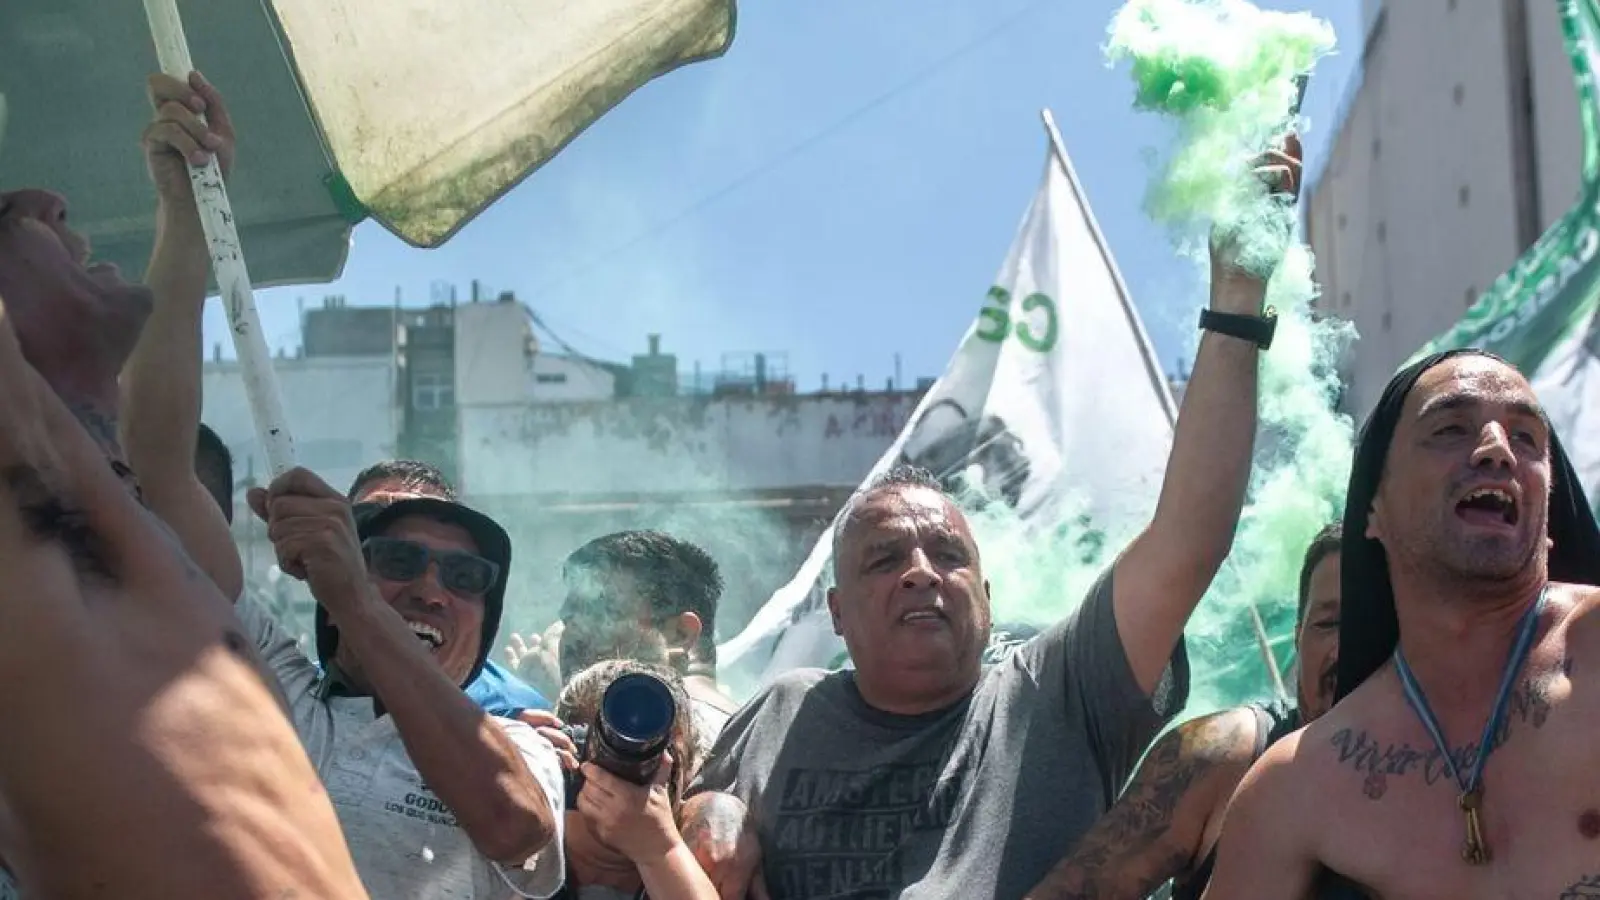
{"points": [[496, 689], [1458, 761], [407, 608]]}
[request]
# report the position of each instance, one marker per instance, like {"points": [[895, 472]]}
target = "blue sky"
{"points": [[840, 188]]}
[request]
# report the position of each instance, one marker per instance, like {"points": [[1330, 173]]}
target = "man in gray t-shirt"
{"points": [[919, 774], [852, 801]]}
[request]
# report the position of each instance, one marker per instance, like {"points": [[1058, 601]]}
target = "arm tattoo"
{"points": [[1132, 849], [102, 429], [1529, 704]]}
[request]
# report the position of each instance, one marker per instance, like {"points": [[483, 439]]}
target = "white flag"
{"points": [[1054, 403]]}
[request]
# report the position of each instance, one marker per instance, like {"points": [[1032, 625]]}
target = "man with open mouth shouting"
{"points": [[437, 798], [144, 755], [1463, 731]]}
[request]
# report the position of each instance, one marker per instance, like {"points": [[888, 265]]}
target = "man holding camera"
{"points": [[623, 798]]}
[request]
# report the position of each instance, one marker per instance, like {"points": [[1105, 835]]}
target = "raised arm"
{"points": [[1266, 850], [1162, 825], [161, 381], [1168, 568]]}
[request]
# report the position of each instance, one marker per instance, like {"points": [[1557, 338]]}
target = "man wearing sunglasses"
{"points": [[437, 798], [496, 689]]}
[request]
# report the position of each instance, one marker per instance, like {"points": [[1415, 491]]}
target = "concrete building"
{"points": [[562, 447], [341, 411], [752, 479], [341, 397], [1458, 145]]}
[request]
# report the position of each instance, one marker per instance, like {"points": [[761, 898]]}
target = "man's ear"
{"points": [[1375, 520], [833, 610], [682, 631]]}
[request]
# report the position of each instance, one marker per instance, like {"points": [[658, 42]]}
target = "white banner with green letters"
{"points": [[1054, 408]]}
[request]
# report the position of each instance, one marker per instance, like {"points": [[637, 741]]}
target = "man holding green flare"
{"points": [[937, 778]]}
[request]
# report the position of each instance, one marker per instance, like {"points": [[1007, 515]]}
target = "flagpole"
{"points": [[1266, 653], [1058, 151], [227, 260], [1146, 349]]}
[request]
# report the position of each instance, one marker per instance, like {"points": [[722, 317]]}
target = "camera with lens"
{"points": [[630, 731]]}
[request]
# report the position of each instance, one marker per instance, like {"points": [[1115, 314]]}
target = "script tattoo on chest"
{"points": [[1528, 706], [1585, 888]]}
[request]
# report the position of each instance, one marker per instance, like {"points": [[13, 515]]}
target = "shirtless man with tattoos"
{"points": [[1470, 624], [182, 777]]}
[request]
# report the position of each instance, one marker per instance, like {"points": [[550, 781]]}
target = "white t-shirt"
{"points": [[404, 840]]}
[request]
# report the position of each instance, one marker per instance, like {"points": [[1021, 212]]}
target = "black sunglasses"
{"points": [[460, 572]]}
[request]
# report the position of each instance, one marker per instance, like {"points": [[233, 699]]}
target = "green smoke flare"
{"points": [[1226, 73]]}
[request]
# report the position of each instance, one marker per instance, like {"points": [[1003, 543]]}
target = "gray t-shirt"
{"points": [[974, 801]]}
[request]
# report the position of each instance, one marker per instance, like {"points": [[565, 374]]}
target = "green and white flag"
{"points": [[1544, 314], [1054, 408]]}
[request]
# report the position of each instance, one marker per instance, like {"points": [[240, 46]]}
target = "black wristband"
{"points": [[1258, 330]]}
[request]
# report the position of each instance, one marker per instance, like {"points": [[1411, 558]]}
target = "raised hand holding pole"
{"points": [[227, 260]]}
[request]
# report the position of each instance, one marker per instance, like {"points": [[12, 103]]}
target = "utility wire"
{"points": [[799, 148]]}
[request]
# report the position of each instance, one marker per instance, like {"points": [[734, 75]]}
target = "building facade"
{"points": [[563, 448], [1458, 145]]}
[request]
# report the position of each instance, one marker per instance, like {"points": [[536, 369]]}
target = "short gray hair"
{"points": [[900, 477]]}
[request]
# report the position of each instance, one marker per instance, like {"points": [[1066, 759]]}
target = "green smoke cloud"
{"points": [[1037, 574], [1228, 74], [1225, 72]]}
